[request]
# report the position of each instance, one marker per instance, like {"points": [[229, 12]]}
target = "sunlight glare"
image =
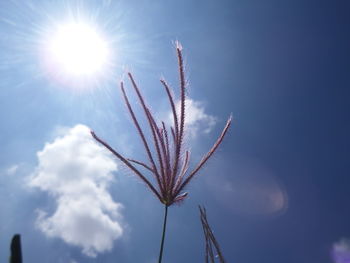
{"points": [[78, 49]]}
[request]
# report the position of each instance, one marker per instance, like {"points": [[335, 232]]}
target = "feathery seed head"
{"points": [[168, 162]]}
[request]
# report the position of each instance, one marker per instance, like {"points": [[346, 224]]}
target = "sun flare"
{"points": [[78, 49]]}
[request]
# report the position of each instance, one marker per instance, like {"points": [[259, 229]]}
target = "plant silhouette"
{"points": [[16, 250]]}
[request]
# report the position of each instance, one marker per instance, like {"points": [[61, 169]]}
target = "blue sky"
{"points": [[277, 190]]}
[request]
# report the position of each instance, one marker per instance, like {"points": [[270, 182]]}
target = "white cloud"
{"points": [[196, 119], [341, 251], [76, 171]]}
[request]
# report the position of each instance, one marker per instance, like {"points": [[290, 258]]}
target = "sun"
{"points": [[78, 49]]}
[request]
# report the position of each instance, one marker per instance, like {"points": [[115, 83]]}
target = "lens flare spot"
{"points": [[250, 189]]}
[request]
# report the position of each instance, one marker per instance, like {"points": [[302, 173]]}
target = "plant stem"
{"points": [[163, 235]]}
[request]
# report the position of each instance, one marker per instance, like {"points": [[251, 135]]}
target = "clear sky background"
{"points": [[276, 191]]}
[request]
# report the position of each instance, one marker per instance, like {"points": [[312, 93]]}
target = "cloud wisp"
{"points": [[12, 169], [196, 118], [76, 171]]}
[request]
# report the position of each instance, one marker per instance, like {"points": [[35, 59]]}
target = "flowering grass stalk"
{"points": [[168, 162], [210, 240]]}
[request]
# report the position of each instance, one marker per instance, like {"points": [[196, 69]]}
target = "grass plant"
{"points": [[212, 248], [168, 161]]}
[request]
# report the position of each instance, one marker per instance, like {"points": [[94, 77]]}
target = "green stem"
{"points": [[163, 235]]}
